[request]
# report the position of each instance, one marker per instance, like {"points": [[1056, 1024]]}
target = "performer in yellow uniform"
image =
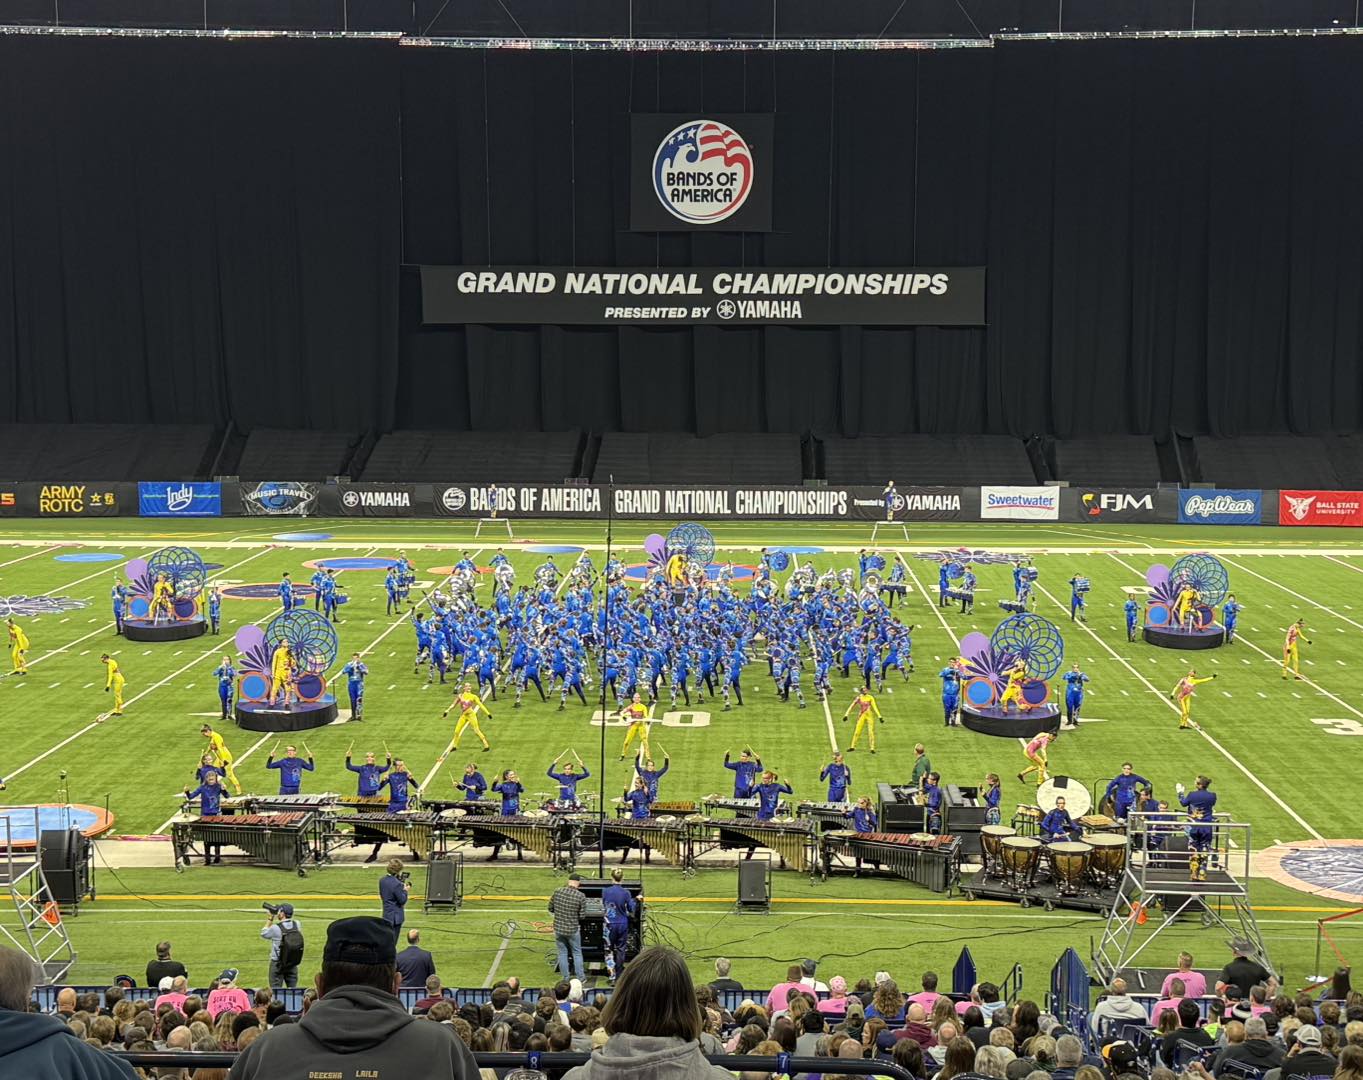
{"points": [[1183, 694], [114, 681], [1291, 657], [162, 599], [638, 714], [675, 571], [1185, 607], [468, 703], [222, 757], [18, 647], [1012, 693], [867, 715], [281, 672], [1035, 752]]}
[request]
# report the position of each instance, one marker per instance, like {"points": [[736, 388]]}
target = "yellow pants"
{"points": [[1291, 659], [865, 721], [117, 687], [1185, 708], [279, 681], [1184, 613], [1038, 765], [18, 656], [226, 764], [1011, 694], [468, 720], [637, 729]]}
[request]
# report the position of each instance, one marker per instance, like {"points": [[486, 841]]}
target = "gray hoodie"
{"points": [[355, 1028], [646, 1057]]}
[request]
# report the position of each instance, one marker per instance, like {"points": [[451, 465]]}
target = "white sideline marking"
{"points": [[32, 555], [1299, 596]]}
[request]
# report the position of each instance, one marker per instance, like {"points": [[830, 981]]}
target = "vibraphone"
{"points": [[931, 861], [740, 808], [469, 806], [827, 815], [422, 831], [664, 808], [287, 841], [318, 802], [543, 835], [792, 839], [669, 838]]}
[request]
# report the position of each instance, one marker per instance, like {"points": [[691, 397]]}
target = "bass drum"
{"points": [[1078, 801]]}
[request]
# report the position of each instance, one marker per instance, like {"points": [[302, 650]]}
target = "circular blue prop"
{"points": [[1205, 573], [49, 817], [301, 536], [1033, 640], [875, 562], [311, 638], [89, 556], [552, 549], [778, 560], [183, 567], [357, 562], [693, 541]]}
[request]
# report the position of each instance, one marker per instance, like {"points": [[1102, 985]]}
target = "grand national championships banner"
{"points": [[721, 296], [798, 503]]}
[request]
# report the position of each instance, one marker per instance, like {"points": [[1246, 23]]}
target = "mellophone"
{"points": [[923, 858], [288, 840]]}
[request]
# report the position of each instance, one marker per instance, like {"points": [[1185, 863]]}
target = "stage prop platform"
{"points": [[978, 886], [177, 576], [301, 643], [1204, 582], [179, 630], [258, 716], [1013, 723], [1208, 637]]}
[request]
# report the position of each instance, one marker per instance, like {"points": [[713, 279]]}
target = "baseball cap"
{"points": [[361, 939], [165, 984], [228, 975], [882, 977], [286, 910], [1121, 1056], [1308, 1035]]}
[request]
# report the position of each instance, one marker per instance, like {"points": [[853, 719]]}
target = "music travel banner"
{"points": [[692, 296]]}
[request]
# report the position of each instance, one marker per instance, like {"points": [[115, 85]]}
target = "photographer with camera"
{"points": [[393, 889], [286, 944]]}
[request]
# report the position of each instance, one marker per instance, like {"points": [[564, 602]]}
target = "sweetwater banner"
{"points": [[702, 503]]}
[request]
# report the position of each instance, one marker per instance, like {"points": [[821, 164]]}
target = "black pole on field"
{"points": [[601, 671]]}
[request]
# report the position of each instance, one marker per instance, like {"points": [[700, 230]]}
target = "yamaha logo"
{"points": [[453, 498], [702, 172], [726, 309], [896, 502], [351, 498]]}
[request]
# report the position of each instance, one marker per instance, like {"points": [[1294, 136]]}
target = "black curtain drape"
{"points": [[200, 230]]}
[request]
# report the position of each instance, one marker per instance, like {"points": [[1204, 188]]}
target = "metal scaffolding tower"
{"points": [[36, 928]]}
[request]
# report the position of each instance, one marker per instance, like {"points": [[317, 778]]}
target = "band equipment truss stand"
{"points": [[1165, 870], [444, 884], [36, 928], [754, 886], [901, 526], [494, 522]]}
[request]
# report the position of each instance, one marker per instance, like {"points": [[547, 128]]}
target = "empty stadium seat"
{"points": [[103, 451], [1113, 460], [926, 459], [443, 456], [689, 459], [1266, 461], [1346, 454], [308, 455]]}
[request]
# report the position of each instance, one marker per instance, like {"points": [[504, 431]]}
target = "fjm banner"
{"points": [[719, 296], [1206, 506], [1014, 503], [189, 499], [1320, 508], [1099, 506]]}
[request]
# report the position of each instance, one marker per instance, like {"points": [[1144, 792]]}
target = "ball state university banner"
{"points": [[700, 172], [1320, 508], [723, 296]]}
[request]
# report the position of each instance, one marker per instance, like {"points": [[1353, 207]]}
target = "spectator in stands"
{"points": [[38, 1047], [164, 965], [66, 1003], [173, 992], [972, 1023], [1306, 1058], [812, 1030], [945, 1034], [989, 1003], [1115, 1010], [415, 964], [908, 1055], [1189, 1031], [1001, 1035], [1177, 992], [959, 1058], [1092, 1072], [1194, 982], [780, 993], [88, 1002], [1069, 1055], [1329, 1014], [358, 1022], [807, 980], [227, 996], [928, 996], [1024, 1025], [887, 1002], [916, 1029], [434, 994], [654, 1025], [942, 1011], [1242, 973], [722, 981], [1122, 1060], [835, 1005], [1350, 1064]]}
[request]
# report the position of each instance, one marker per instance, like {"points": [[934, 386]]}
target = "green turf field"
{"points": [[1281, 754]]}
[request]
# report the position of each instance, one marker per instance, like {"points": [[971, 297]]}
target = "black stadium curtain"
{"points": [[197, 230]]}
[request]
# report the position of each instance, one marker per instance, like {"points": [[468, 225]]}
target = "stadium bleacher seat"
{"points": [[1111, 460], [1266, 461], [926, 459], [309, 455], [442, 456], [689, 459], [104, 451], [1346, 454]]}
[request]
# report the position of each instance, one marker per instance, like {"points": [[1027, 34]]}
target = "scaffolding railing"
{"points": [[36, 928]]}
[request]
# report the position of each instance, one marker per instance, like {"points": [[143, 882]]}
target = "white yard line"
{"points": [[31, 555], [1299, 596], [827, 713], [1347, 566]]}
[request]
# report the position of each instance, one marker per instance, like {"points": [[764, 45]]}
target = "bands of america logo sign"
{"points": [[453, 498], [702, 172]]}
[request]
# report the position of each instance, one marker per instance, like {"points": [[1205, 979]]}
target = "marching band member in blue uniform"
{"points": [[286, 592], [1058, 825], [651, 775], [888, 497], [1078, 604], [1200, 802], [394, 591], [943, 584], [1122, 790], [355, 673], [1074, 694], [331, 599], [318, 576], [215, 609], [951, 676], [291, 768], [932, 799], [619, 907], [1132, 611], [1230, 614], [769, 793], [370, 773], [472, 783], [839, 777], [118, 595], [209, 793], [746, 770], [567, 780], [401, 785], [226, 675], [992, 794], [968, 584]]}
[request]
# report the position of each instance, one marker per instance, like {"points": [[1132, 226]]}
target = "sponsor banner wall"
{"points": [[909, 504], [1215, 506], [1015, 503], [103, 499], [17, 499], [701, 171], [189, 498], [374, 500], [1320, 508], [276, 498], [1109, 505]]}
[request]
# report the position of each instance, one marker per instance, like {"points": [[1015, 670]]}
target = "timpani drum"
{"points": [[1019, 856], [1069, 865], [1109, 858], [991, 836]]}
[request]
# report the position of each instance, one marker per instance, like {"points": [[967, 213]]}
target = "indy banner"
{"points": [[189, 498], [593, 501], [1106, 506], [719, 296], [710, 172]]}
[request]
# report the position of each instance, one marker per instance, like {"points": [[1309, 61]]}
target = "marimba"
{"points": [[422, 831], [286, 841], [539, 835], [668, 837], [789, 838], [931, 861]]}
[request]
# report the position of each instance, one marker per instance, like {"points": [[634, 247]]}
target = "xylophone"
{"points": [[828, 815], [284, 840], [672, 808], [540, 835], [741, 808], [422, 831], [925, 859], [791, 839], [468, 806], [317, 801], [668, 838]]}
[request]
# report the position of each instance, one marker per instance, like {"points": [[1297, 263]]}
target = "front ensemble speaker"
{"points": [[752, 882], [65, 857]]}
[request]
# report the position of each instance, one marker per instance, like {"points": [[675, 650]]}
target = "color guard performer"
{"points": [[222, 756], [1291, 654], [469, 705], [18, 647], [1012, 693], [867, 715], [638, 715], [1200, 802], [114, 682], [1035, 752], [1183, 694]]}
